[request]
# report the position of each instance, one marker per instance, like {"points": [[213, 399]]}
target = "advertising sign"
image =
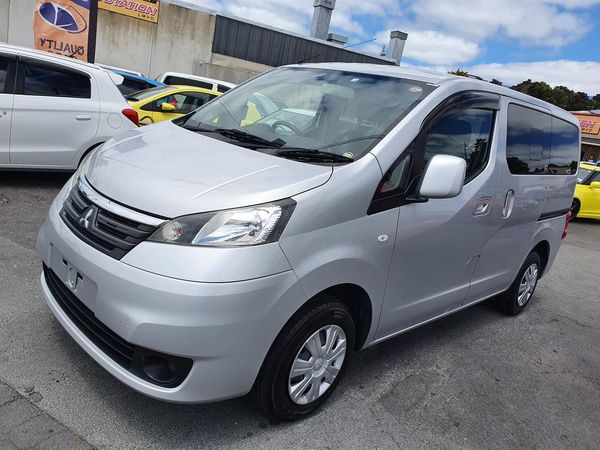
{"points": [[65, 27], [589, 124], [140, 9]]}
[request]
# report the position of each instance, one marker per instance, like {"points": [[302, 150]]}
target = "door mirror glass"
{"points": [[595, 185], [444, 177], [167, 107]]}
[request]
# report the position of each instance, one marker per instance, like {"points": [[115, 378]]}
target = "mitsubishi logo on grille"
{"points": [[87, 217]]}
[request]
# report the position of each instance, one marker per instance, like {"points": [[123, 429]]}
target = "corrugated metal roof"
{"points": [[261, 44]]}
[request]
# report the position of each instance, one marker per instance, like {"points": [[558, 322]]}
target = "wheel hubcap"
{"points": [[317, 364], [528, 283]]}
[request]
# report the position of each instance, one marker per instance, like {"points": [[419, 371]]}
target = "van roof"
{"points": [[14, 49], [439, 78]]}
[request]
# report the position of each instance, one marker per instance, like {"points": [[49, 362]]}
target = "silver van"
{"points": [[219, 254]]}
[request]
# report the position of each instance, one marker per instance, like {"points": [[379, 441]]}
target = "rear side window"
{"points": [[54, 81], [565, 148], [174, 80], [538, 143], [528, 140], [222, 88]]}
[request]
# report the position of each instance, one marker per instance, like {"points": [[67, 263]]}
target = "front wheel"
{"points": [[306, 361], [516, 298]]}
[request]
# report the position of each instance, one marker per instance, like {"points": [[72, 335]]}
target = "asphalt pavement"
{"points": [[476, 379]]}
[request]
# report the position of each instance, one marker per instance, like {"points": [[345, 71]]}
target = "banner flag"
{"points": [[66, 27]]}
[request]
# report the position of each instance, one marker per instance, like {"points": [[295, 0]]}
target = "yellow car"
{"points": [[168, 102], [586, 203]]}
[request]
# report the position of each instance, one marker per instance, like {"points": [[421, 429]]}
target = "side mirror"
{"points": [[595, 185], [167, 107], [444, 177]]}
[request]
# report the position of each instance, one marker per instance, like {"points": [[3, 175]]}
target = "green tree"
{"points": [[563, 96], [459, 72], [537, 89], [494, 81]]}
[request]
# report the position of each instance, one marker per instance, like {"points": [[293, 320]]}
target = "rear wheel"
{"points": [[575, 207], [518, 295], [306, 361]]}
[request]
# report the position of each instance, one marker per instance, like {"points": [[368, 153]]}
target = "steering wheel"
{"points": [[286, 124]]}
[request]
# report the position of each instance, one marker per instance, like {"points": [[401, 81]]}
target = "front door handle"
{"points": [[83, 117], [482, 207]]}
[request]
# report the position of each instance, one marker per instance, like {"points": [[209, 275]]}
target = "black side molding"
{"points": [[553, 214]]}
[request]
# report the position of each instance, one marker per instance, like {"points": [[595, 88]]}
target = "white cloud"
{"points": [[576, 75], [291, 15], [430, 47], [280, 18], [434, 47], [533, 22]]}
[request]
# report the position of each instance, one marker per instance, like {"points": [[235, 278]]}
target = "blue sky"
{"points": [[557, 41]]}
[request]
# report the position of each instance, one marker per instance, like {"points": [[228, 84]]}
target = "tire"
{"points": [[317, 320], [513, 302], [575, 207]]}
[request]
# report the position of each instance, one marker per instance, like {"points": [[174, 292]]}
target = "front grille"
{"points": [[128, 356], [111, 234]]}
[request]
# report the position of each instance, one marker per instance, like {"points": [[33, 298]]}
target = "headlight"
{"points": [[253, 225]]}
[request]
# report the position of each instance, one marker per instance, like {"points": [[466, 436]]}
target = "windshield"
{"points": [[583, 175], [310, 110]]}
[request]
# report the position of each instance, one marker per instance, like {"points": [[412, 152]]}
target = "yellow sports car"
{"points": [[586, 202], [168, 102]]}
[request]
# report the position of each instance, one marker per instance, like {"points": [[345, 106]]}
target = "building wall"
{"points": [[124, 42], [4, 4], [19, 14], [182, 41]]}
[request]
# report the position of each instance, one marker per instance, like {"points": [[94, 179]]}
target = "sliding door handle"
{"points": [[509, 203]]}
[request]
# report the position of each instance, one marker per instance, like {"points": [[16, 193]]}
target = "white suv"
{"points": [[54, 110]]}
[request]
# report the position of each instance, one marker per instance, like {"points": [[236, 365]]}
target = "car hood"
{"points": [[169, 171]]}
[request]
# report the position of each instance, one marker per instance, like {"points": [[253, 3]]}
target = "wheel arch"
{"points": [[357, 300], [354, 297], [542, 248]]}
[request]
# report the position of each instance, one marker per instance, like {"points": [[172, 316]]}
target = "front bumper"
{"points": [[225, 328]]}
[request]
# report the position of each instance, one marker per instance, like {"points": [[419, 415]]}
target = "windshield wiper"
{"points": [[244, 136], [237, 135], [306, 154]]}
